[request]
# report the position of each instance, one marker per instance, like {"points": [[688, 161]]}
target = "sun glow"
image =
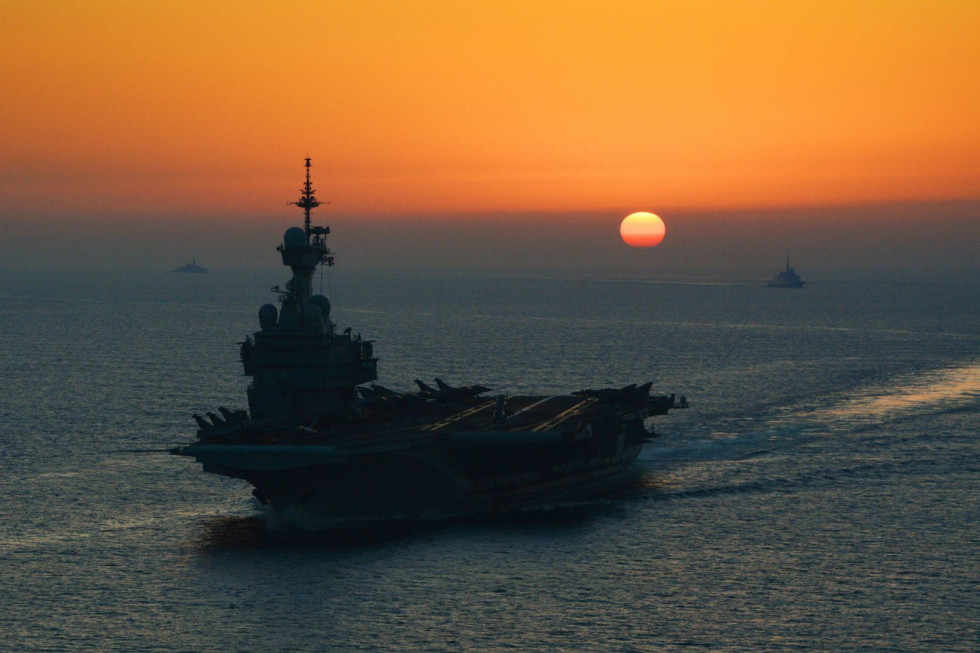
{"points": [[494, 112], [642, 229]]}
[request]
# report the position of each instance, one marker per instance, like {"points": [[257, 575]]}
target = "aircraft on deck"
{"points": [[446, 392]]}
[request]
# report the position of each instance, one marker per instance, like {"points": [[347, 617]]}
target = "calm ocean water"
{"points": [[822, 492]]}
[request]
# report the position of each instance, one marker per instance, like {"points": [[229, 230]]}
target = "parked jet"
{"points": [[465, 390], [375, 390], [632, 398], [446, 392], [612, 395]]}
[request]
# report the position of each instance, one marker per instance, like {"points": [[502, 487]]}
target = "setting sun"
{"points": [[501, 107], [642, 229]]}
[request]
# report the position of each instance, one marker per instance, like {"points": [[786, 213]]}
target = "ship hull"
{"points": [[786, 284], [419, 476]]}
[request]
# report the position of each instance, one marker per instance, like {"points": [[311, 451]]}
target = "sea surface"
{"points": [[822, 492]]}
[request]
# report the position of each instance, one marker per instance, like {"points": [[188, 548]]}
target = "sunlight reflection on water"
{"points": [[950, 388]]}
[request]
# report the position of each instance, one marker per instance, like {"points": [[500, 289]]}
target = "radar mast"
{"points": [[304, 249], [307, 199]]}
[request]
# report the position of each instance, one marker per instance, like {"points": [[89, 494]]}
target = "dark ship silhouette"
{"points": [[787, 278], [324, 450], [191, 268]]}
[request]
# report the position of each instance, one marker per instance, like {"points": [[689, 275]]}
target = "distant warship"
{"points": [[324, 446], [192, 268], [787, 278]]}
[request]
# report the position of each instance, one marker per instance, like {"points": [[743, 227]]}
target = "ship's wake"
{"points": [[945, 390]]}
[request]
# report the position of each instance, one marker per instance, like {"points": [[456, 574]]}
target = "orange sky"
{"points": [[198, 108]]}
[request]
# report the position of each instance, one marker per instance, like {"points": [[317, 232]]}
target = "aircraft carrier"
{"points": [[324, 446]]}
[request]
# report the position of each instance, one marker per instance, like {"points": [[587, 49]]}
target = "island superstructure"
{"points": [[324, 446]]}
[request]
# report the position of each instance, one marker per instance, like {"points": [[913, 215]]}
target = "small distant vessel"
{"points": [[787, 278], [325, 447], [191, 268]]}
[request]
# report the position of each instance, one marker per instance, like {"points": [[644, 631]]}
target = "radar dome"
{"points": [[267, 316], [294, 238], [324, 305]]}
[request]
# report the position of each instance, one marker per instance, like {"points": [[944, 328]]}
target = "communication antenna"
{"points": [[307, 199]]}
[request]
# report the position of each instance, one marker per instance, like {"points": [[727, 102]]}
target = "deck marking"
{"points": [[561, 417], [455, 418], [536, 403]]}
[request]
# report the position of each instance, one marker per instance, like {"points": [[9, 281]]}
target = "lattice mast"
{"points": [[307, 199]]}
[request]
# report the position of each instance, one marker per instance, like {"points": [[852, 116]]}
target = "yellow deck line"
{"points": [[530, 406], [561, 417], [456, 417]]}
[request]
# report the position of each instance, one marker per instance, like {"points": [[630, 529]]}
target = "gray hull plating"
{"points": [[316, 486]]}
